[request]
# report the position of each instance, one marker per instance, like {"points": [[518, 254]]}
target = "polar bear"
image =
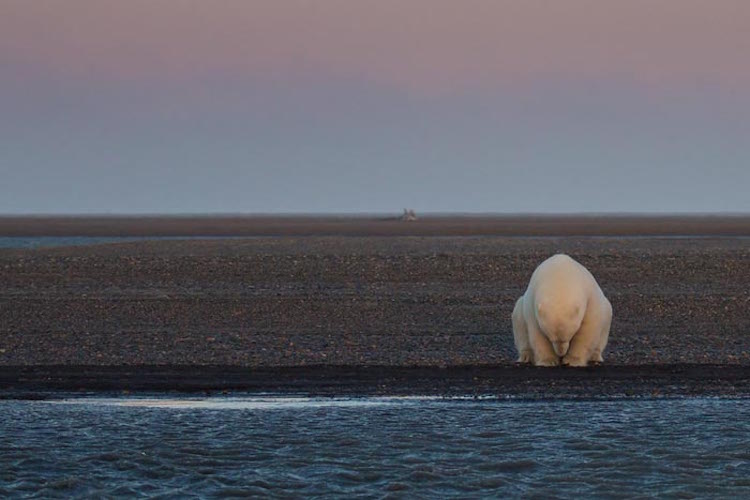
{"points": [[563, 314]]}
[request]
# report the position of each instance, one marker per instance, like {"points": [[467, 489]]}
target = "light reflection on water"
{"points": [[250, 403], [374, 447]]}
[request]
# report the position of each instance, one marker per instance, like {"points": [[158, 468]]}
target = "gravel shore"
{"points": [[369, 301]]}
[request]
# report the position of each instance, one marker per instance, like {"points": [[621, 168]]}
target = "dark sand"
{"points": [[345, 314]]}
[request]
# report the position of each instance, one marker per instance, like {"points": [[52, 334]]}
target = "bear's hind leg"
{"points": [[596, 356], [604, 337], [521, 334]]}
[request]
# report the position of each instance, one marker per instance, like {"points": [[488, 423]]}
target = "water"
{"points": [[30, 242], [374, 448], [60, 241]]}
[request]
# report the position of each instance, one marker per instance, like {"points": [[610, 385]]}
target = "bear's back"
{"points": [[560, 270]]}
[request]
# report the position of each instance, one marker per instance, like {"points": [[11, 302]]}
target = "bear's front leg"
{"points": [[574, 361], [578, 354], [544, 354], [584, 342]]}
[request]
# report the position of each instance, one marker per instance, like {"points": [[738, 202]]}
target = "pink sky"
{"points": [[372, 105], [423, 46]]}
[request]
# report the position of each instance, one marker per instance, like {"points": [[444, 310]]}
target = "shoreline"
{"points": [[501, 381]]}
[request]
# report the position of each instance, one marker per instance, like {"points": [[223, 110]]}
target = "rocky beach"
{"points": [[263, 309]]}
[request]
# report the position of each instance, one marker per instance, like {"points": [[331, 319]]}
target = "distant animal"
{"points": [[563, 317], [409, 215]]}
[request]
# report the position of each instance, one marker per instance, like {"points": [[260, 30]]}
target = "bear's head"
{"points": [[560, 320]]}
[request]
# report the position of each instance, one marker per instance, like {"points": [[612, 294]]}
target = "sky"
{"points": [[352, 106]]}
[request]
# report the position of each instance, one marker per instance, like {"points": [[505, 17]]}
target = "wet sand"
{"points": [[503, 381], [418, 310]]}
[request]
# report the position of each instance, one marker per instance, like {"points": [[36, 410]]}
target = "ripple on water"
{"points": [[374, 447]]}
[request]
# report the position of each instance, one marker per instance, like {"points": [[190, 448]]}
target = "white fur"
{"points": [[563, 315]]}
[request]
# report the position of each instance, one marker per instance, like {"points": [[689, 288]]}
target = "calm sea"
{"points": [[61, 241], [55, 241], [375, 448]]}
